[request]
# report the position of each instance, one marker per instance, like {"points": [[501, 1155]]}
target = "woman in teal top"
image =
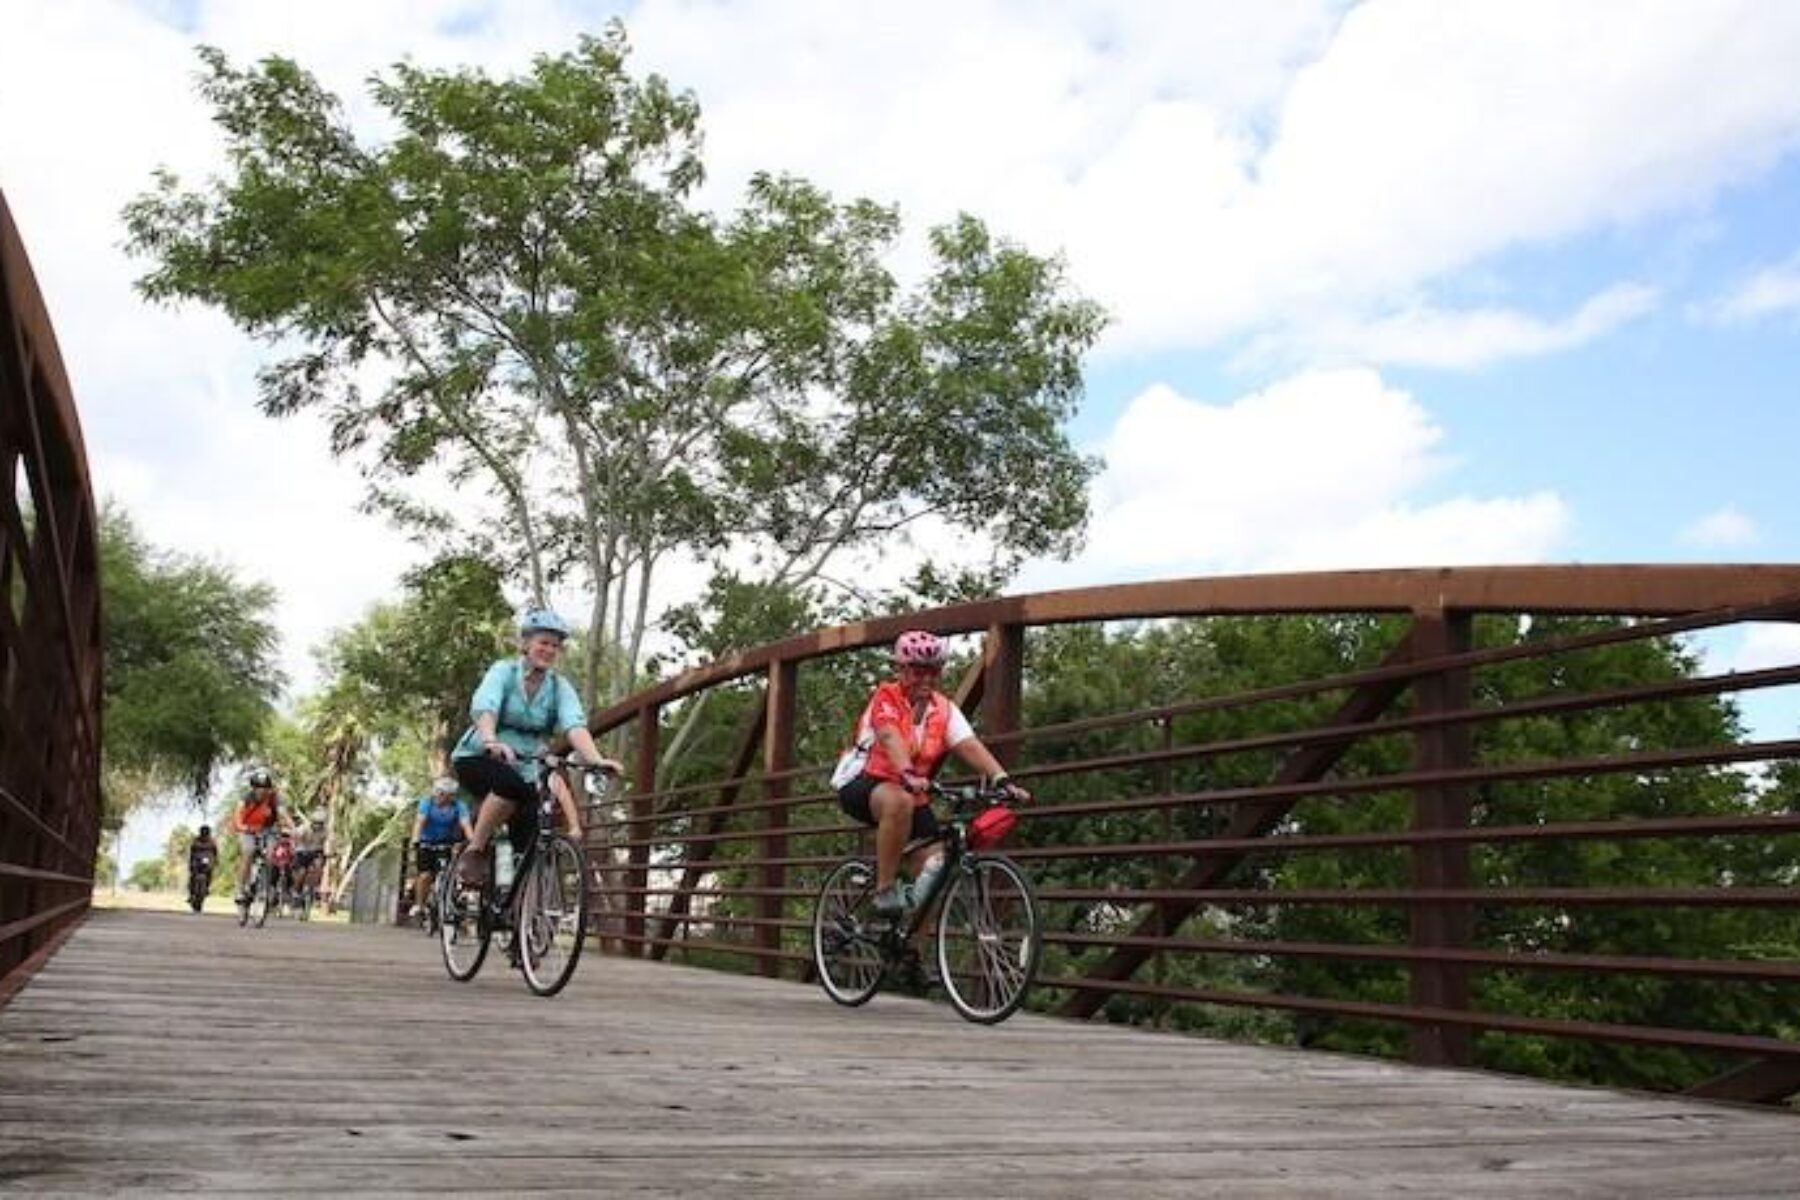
{"points": [[521, 704]]}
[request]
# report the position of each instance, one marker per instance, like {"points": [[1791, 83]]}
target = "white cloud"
{"points": [[1767, 292], [1213, 170], [1306, 171], [1762, 645], [1722, 528], [1319, 471], [1459, 340]]}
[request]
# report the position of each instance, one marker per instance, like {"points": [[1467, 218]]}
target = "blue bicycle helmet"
{"points": [[542, 620]]}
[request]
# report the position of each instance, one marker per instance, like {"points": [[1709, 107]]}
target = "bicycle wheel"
{"points": [[988, 939], [261, 896], [464, 931], [552, 916], [846, 935]]}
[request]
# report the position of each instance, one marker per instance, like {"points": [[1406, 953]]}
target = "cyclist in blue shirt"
{"points": [[442, 820], [520, 705]]}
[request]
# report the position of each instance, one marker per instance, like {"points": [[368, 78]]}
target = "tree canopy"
{"points": [[191, 674], [518, 293]]}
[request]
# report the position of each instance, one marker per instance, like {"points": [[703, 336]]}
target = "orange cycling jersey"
{"points": [[256, 813], [930, 741]]}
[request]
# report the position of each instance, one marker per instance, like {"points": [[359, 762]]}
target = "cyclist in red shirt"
{"points": [[901, 740], [259, 813]]}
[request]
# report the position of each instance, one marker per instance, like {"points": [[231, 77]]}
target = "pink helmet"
{"points": [[917, 648]]}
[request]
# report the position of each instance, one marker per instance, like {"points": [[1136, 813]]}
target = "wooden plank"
{"points": [[173, 1053]]}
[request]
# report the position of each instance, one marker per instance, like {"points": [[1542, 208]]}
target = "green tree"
{"points": [[191, 675], [149, 875], [1080, 672], [175, 855], [407, 668], [625, 377]]}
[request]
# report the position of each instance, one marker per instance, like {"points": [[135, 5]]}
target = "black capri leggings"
{"points": [[485, 776]]}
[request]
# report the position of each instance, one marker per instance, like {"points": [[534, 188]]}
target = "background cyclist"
{"points": [[901, 739], [309, 853], [441, 821], [521, 704]]}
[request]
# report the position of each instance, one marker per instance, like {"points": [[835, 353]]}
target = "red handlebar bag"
{"points": [[991, 827]]}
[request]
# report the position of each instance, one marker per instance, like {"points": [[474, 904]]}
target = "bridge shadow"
{"points": [[173, 1053]]}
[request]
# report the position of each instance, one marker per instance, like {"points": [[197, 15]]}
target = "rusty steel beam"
{"points": [[1751, 970], [1440, 864], [1003, 663], [698, 860], [1305, 765], [642, 814], [1760, 1081], [778, 756], [1628, 590], [51, 650], [1635, 1035]]}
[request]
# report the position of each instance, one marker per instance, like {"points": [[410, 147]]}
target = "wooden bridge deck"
{"points": [[167, 1053]]}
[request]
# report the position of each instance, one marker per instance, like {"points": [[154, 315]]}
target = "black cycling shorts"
{"points": [[483, 776], [429, 859], [854, 798]]}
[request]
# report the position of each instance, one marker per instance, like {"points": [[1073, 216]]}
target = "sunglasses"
{"points": [[921, 669]]}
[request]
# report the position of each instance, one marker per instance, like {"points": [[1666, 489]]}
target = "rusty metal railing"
{"points": [[1175, 819], [50, 647]]}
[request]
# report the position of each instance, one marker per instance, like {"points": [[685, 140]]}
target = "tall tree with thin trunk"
{"points": [[515, 294]]}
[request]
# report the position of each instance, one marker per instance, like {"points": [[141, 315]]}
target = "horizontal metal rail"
{"points": [[1752, 970], [1639, 1035]]}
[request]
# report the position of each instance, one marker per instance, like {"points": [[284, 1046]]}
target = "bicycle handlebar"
{"points": [[558, 762], [969, 795]]}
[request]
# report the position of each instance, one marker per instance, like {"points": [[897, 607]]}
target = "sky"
{"points": [[1404, 282]]}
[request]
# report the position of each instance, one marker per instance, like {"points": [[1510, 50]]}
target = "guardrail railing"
{"points": [[1209, 862], [50, 646]]}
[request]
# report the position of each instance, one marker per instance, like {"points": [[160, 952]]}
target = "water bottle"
{"points": [[921, 888], [503, 863]]}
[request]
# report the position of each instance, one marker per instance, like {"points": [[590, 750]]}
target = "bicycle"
{"points": [[200, 873], [304, 893], [431, 913], [544, 910], [988, 926], [254, 906]]}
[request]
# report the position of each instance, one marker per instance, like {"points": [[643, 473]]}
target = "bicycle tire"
{"points": [[464, 930], [989, 938], [552, 920], [848, 960], [260, 897]]}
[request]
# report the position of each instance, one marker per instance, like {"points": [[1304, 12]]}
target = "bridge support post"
{"points": [[1003, 673], [643, 810], [778, 758], [1438, 633]]}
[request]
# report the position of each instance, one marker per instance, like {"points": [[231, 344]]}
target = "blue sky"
{"points": [[1398, 282]]}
